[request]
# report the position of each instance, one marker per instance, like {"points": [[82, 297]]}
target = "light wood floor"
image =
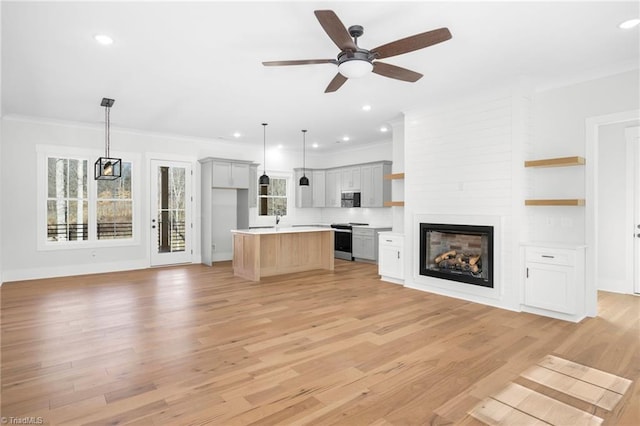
{"points": [[196, 345]]}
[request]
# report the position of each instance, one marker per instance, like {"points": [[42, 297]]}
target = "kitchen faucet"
{"points": [[278, 217]]}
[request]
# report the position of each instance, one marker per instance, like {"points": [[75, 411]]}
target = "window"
{"points": [[273, 198], [74, 210], [114, 210], [67, 203]]}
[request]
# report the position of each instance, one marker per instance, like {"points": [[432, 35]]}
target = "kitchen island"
{"points": [[265, 252]]}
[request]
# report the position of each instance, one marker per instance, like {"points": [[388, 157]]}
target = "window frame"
{"points": [[44, 152], [287, 196]]}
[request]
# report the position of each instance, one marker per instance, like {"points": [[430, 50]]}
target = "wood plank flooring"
{"points": [[194, 345]]}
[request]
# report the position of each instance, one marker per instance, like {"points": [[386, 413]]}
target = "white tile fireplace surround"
{"points": [[461, 290]]}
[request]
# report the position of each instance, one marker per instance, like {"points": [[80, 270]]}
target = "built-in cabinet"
{"points": [[554, 281], [390, 257], [224, 183], [318, 188], [333, 187], [326, 186], [374, 189], [304, 193], [350, 178], [364, 242], [229, 174]]}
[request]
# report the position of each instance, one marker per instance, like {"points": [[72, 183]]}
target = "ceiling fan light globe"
{"points": [[355, 68]]}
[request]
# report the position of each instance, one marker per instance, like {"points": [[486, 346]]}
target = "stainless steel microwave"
{"points": [[350, 199]]}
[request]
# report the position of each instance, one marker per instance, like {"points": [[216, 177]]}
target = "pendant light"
{"points": [[304, 180], [264, 179], [107, 168]]}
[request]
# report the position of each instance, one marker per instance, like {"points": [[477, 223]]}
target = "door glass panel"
{"points": [[171, 209]]}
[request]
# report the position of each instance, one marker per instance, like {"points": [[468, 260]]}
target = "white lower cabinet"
{"points": [[554, 283], [364, 243], [390, 257]]}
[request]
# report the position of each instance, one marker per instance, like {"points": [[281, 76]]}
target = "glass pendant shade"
{"points": [[355, 68], [107, 168]]}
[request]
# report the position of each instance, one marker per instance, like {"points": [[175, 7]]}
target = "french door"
{"points": [[171, 202]]}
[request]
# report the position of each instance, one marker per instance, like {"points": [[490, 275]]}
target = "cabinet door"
{"points": [[253, 186], [372, 186], [332, 198], [357, 246], [318, 189], [240, 175], [221, 174], [350, 179], [303, 193], [390, 262], [549, 286]]}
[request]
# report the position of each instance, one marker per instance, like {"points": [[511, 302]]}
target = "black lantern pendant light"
{"points": [[107, 168], [304, 180], [264, 179]]}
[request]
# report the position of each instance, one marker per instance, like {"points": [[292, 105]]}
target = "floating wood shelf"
{"points": [[557, 202], [556, 162], [394, 203], [394, 176]]}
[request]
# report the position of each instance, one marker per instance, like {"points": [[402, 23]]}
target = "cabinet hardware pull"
{"points": [[527, 272], [548, 257], [388, 241], [398, 255]]}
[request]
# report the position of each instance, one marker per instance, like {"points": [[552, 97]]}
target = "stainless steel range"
{"points": [[343, 239]]}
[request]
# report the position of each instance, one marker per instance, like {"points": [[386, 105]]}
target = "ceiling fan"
{"points": [[353, 61]]}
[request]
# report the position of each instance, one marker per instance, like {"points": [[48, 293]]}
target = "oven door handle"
{"points": [[342, 230]]}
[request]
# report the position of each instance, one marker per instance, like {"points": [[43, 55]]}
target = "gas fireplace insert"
{"points": [[462, 253]]}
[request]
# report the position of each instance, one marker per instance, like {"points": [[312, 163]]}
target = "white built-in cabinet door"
{"points": [[318, 188], [371, 194], [227, 174], [350, 179], [303, 193], [390, 258], [333, 192]]}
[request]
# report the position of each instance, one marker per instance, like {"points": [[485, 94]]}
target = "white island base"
{"points": [[267, 252]]}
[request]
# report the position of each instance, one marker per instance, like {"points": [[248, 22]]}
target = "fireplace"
{"points": [[462, 253]]}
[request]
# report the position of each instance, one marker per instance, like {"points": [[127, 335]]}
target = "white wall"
{"points": [[559, 131]]}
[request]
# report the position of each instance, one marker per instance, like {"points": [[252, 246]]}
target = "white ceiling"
{"points": [[195, 69]]}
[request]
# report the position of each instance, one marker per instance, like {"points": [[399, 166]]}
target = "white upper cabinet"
{"points": [[304, 193], [333, 183], [318, 188], [350, 178], [374, 189], [229, 174]]}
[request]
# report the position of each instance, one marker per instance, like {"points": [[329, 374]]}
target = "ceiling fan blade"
{"points": [[409, 44], [335, 29], [336, 83], [299, 62], [393, 71]]}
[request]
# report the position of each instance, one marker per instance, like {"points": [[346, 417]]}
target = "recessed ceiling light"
{"points": [[103, 39], [629, 24], [280, 146], [384, 129], [345, 138], [236, 134], [366, 107], [315, 145]]}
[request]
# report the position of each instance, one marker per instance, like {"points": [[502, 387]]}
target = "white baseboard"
{"points": [[70, 270]]}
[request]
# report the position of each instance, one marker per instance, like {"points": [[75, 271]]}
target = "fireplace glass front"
{"points": [[462, 253]]}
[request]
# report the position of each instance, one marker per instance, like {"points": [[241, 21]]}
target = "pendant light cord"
{"points": [[106, 131], [304, 153], [264, 148]]}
